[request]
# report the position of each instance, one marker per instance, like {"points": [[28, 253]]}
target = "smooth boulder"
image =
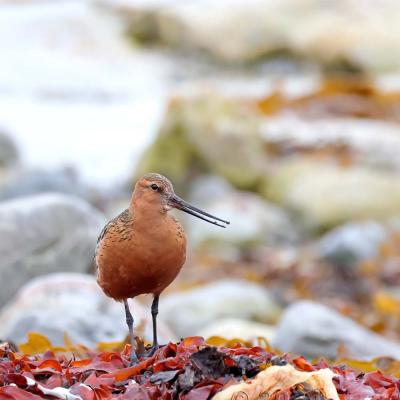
{"points": [[187, 312], [351, 243], [73, 304], [314, 330], [25, 182], [327, 194], [235, 328], [45, 233], [253, 219]]}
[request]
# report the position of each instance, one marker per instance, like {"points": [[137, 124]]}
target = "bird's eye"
{"points": [[154, 186]]}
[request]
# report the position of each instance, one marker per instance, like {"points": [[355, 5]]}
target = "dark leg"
{"points": [[154, 313], [129, 322]]}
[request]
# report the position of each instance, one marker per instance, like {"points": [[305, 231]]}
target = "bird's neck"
{"points": [[147, 214]]}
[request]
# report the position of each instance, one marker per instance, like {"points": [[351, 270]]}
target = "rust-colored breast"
{"points": [[135, 256]]}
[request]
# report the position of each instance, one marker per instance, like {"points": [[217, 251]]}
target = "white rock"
{"points": [[74, 304], [315, 330], [188, 312], [251, 29], [235, 328]]}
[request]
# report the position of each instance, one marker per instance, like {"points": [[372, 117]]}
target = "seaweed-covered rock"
{"points": [[72, 303], [45, 233], [188, 311], [314, 330]]}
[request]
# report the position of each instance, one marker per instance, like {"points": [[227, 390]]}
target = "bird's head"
{"points": [[155, 190]]}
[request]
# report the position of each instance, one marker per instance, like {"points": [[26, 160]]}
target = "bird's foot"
{"points": [[151, 350], [133, 359]]}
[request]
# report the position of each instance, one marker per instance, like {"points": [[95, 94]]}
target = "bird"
{"points": [[142, 250]]}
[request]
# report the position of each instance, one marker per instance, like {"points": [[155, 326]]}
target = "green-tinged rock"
{"points": [[143, 27], [326, 194], [326, 170], [170, 154], [206, 133]]}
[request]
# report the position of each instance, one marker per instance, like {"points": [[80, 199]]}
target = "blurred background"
{"points": [[280, 116]]}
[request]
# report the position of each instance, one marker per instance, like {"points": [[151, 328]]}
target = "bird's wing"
{"points": [[104, 231]]}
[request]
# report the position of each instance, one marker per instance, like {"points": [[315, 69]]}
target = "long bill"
{"points": [[182, 205]]}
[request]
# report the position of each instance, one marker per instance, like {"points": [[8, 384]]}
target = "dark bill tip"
{"points": [[182, 205]]}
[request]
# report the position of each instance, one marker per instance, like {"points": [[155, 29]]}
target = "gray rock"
{"points": [[351, 243], [188, 312], [34, 181], [8, 151], [42, 234], [315, 330], [72, 303], [254, 220]]}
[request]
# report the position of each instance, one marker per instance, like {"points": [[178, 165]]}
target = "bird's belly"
{"points": [[133, 267]]}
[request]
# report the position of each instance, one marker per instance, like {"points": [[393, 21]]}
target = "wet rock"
{"points": [[235, 328], [188, 312], [43, 234], [351, 243], [327, 194], [315, 330], [72, 303], [255, 29]]}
